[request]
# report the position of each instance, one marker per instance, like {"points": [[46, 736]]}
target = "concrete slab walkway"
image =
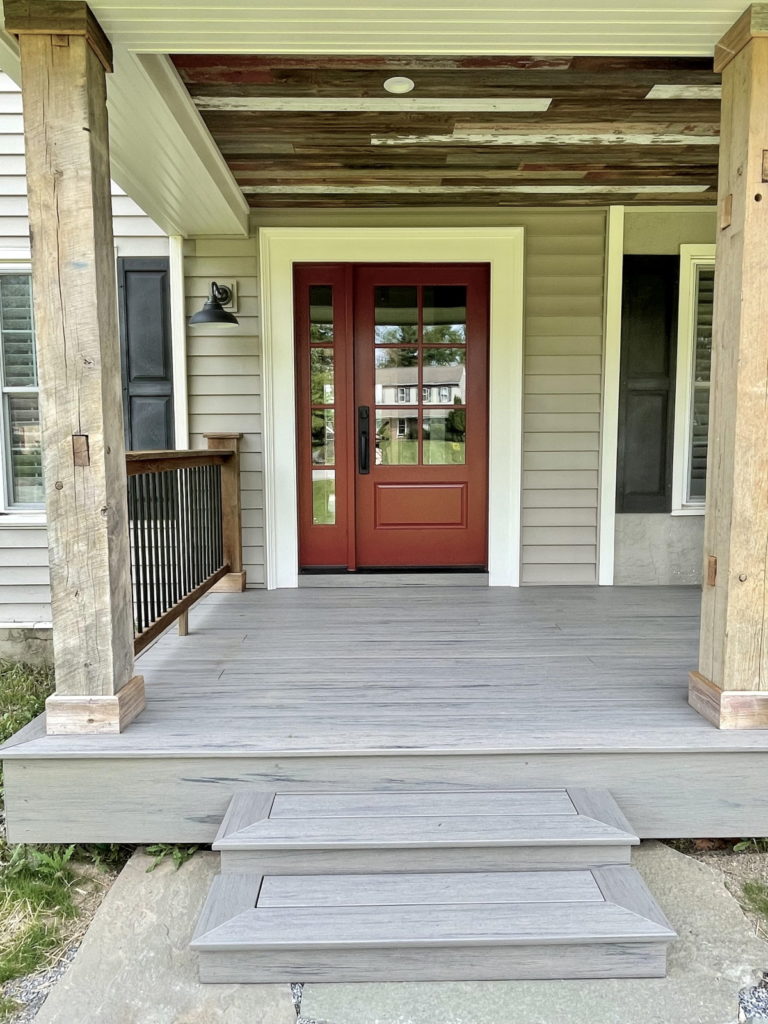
{"points": [[134, 966], [716, 955]]}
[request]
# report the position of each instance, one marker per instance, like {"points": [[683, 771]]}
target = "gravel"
{"points": [[31, 991]]}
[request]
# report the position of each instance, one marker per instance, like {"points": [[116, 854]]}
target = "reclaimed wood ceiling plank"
{"points": [[600, 137]]}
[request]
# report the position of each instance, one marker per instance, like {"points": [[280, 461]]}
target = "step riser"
{"points": [[489, 963], [324, 862]]}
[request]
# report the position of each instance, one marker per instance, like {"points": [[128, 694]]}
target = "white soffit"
{"points": [[466, 27], [162, 155]]}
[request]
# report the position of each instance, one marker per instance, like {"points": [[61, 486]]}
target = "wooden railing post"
{"points": [[232, 525]]}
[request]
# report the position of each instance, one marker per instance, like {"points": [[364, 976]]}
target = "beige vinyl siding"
{"points": [[224, 375], [24, 591], [564, 283]]}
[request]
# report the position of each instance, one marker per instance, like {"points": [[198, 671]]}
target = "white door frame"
{"points": [[503, 249]]}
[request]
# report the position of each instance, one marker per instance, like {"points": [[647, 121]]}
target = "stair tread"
{"points": [[394, 917], [411, 820], [429, 889]]}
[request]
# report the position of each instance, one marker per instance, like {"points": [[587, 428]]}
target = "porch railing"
{"points": [[182, 531]]}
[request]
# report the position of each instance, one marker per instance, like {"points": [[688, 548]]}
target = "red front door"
{"points": [[392, 416]]}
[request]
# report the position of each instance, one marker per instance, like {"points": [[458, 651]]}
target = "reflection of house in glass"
{"points": [[443, 430], [441, 385]]}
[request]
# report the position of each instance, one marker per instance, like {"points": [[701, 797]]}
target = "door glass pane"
{"points": [[445, 314], [397, 437], [396, 315], [397, 376], [321, 375], [444, 376], [323, 497], [322, 437], [26, 460], [444, 437], [321, 314]]}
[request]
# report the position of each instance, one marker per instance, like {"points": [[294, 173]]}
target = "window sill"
{"points": [[33, 518], [698, 510]]}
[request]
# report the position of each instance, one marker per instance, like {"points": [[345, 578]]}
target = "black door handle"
{"points": [[363, 439]]}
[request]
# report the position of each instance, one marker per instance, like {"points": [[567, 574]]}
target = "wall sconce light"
{"points": [[213, 311]]}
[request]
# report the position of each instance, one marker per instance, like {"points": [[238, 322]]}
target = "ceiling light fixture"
{"points": [[399, 85]]}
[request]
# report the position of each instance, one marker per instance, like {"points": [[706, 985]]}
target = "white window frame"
{"points": [[22, 512], [691, 258]]}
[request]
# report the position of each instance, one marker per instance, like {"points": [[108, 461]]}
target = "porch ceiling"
{"points": [[493, 131]]}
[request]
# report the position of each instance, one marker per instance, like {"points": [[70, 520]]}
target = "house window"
{"points": [[445, 395], [402, 428], [403, 394], [22, 478], [694, 355], [426, 394]]}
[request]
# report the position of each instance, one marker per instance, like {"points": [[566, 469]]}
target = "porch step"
{"points": [[598, 923], [319, 833]]}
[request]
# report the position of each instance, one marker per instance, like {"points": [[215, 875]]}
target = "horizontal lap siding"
{"points": [[224, 377], [564, 277], [24, 592]]}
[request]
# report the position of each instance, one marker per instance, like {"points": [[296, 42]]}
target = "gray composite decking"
{"points": [[424, 830], [598, 922], [402, 688]]}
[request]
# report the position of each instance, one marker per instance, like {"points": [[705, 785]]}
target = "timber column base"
{"points": [[232, 583], [728, 709], [80, 714]]}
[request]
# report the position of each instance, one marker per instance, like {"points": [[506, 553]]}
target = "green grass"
{"points": [[23, 689], [35, 882], [756, 897], [7, 1007]]}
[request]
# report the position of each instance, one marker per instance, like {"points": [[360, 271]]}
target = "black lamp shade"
{"points": [[213, 311]]}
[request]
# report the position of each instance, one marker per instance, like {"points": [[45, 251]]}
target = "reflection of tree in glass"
{"points": [[456, 425], [445, 334], [397, 334], [387, 358], [319, 333], [322, 375]]}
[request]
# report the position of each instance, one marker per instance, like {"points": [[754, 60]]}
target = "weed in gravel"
{"points": [[163, 851], [756, 896]]}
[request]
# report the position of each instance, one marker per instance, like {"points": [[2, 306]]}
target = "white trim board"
{"points": [[609, 426], [503, 249], [691, 257]]}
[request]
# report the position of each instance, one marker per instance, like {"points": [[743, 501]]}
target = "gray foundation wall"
{"points": [[658, 549]]}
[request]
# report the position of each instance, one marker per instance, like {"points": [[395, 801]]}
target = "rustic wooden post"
{"points": [[231, 525], [64, 60], [731, 686]]}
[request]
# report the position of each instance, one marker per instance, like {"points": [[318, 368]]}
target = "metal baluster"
{"points": [[136, 573]]}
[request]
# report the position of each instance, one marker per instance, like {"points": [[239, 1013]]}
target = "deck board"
{"points": [[419, 670]]}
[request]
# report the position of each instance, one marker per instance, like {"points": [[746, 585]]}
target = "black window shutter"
{"points": [[145, 343], [646, 394]]}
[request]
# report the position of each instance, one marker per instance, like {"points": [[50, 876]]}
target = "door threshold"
{"points": [[394, 579]]}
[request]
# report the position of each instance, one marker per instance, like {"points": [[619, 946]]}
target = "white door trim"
{"points": [[609, 426], [503, 249]]}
